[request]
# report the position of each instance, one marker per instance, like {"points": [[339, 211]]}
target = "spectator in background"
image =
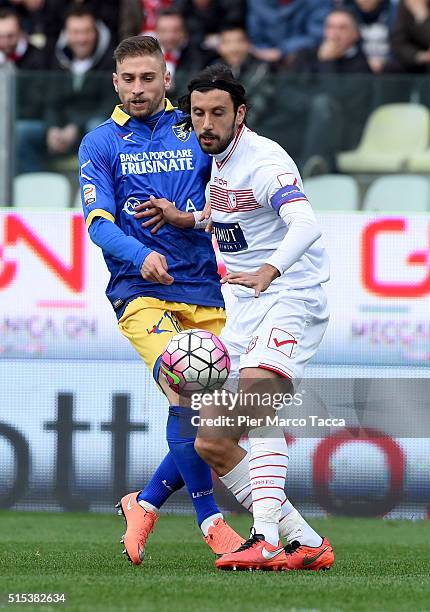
{"points": [[337, 110], [279, 29], [31, 14], [411, 36], [140, 16], [43, 19], [340, 51], [206, 18], [375, 18], [234, 51], [80, 97], [79, 102], [182, 57], [16, 48]]}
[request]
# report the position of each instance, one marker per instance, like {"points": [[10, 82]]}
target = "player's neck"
{"points": [[220, 156]]}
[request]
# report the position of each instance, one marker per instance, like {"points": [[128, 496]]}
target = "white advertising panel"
{"points": [[79, 434], [52, 282]]}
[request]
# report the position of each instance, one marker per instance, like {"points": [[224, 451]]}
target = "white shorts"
{"points": [[278, 331]]}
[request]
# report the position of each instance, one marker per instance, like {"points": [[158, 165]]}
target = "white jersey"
{"points": [[250, 182]]}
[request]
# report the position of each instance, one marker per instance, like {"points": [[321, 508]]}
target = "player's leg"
{"points": [[267, 466], [148, 334], [149, 324], [292, 525], [290, 337], [181, 437], [236, 477]]}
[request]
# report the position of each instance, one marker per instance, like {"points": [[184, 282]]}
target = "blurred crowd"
{"points": [[261, 40]]}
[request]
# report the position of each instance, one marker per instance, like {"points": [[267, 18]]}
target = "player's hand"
{"points": [[161, 211], [152, 213], [155, 268], [259, 281], [206, 214]]}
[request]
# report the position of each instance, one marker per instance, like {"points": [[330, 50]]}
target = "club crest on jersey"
{"points": [[181, 133], [251, 345], [232, 200]]}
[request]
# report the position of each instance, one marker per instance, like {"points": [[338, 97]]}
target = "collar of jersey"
{"points": [[121, 117]]}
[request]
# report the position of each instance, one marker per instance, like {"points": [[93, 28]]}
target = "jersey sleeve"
{"points": [[112, 240], [276, 181], [96, 182]]}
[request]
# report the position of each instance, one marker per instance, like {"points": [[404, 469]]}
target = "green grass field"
{"points": [[380, 565]]}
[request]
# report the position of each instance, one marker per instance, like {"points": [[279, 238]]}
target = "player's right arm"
{"points": [[158, 211], [98, 202]]}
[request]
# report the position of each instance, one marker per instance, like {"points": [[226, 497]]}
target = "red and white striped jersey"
{"points": [[251, 180]]}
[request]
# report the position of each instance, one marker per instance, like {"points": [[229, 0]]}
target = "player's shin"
{"points": [[267, 468], [194, 471], [292, 525], [165, 481]]}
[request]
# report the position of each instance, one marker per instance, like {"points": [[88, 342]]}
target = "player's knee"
{"points": [[212, 450], [204, 447]]}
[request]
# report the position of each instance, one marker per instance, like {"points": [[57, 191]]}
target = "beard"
{"points": [[148, 108], [216, 145]]}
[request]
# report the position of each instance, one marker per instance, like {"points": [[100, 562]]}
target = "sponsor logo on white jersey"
{"points": [[282, 341], [220, 181], [230, 237]]}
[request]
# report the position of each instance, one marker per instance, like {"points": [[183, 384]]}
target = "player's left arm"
{"points": [[303, 231], [291, 204]]}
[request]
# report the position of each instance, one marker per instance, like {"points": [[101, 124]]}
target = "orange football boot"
{"points": [[222, 538], [302, 557], [255, 554], [139, 523]]}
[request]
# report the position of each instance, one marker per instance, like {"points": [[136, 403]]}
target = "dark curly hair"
{"points": [[217, 76]]}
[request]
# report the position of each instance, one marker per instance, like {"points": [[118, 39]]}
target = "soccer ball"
{"points": [[195, 361]]}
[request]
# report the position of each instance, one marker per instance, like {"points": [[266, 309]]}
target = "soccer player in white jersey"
{"points": [[272, 248]]}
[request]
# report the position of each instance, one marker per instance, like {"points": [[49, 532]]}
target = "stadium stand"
{"points": [[41, 190], [420, 162], [332, 192], [393, 133], [398, 193], [319, 109]]}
